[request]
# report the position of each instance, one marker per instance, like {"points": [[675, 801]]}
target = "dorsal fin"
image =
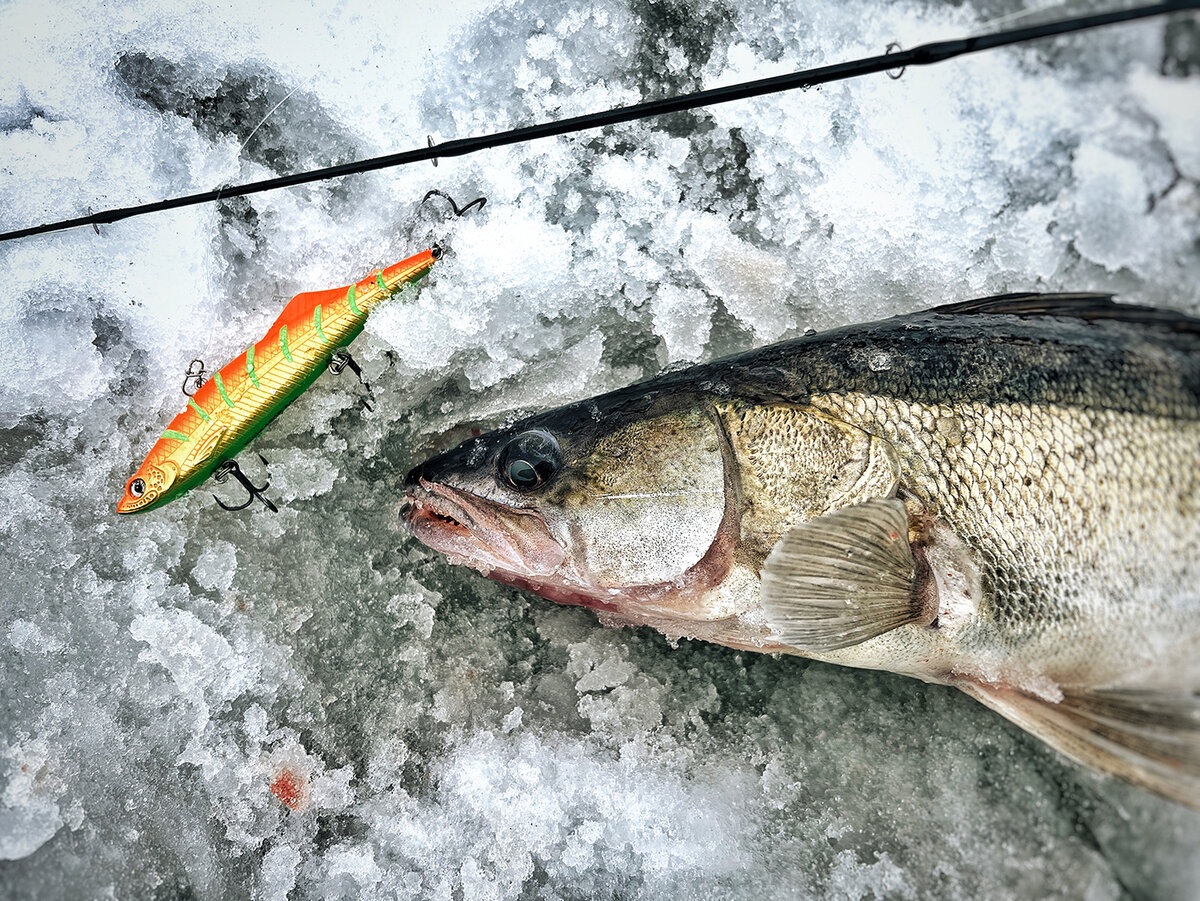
{"points": [[1083, 305]]}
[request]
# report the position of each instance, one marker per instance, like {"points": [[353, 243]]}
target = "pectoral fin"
{"points": [[843, 578], [1149, 738]]}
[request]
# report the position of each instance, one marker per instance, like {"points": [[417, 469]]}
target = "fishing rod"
{"points": [[923, 55]]}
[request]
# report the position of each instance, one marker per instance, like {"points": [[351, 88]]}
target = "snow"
{"points": [[197, 704]]}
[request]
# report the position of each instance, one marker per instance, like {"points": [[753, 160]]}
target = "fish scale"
{"points": [[1057, 576]]}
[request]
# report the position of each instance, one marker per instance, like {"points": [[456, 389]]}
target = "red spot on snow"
{"points": [[290, 789]]}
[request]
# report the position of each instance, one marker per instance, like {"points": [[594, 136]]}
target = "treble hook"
{"points": [[231, 468], [341, 360], [478, 201], [194, 376]]}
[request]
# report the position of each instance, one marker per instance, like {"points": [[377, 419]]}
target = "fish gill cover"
{"points": [[306, 704]]}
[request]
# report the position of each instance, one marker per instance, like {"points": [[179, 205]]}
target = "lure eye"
{"points": [[529, 461], [137, 487]]}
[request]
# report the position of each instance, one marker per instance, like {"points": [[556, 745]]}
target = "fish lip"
{"points": [[462, 526]]}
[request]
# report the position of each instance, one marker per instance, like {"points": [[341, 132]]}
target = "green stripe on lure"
{"points": [[239, 401]]}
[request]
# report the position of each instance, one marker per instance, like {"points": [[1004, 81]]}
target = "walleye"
{"points": [[1001, 495]]}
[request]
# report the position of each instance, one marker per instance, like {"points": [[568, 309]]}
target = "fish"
{"points": [[242, 398], [1001, 495]]}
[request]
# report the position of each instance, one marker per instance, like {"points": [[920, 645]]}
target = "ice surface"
{"points": [[196, 704]]}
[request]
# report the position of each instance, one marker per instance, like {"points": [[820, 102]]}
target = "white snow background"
{"points": [[455, 739]]}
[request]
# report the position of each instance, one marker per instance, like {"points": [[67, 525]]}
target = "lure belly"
{"points": [[252, 389]]}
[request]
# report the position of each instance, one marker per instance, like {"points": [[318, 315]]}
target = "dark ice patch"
{"points": [[1181, 48], [125, 361], [716, 178], [728, 336], [297, 134], [133, 377], [335, 828], [1039, 179], [17, 441], [176, 888], [692, 28], [109, 332], [20, 114], [242, 238]]}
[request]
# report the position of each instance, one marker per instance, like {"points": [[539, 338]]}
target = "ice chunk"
{"points": [[1171, 102], [30, 811], [1110, 212], [216, 566], [27, 637], [279, 867], [683, 317], [753, 283], [25, 827], [200, 661]]}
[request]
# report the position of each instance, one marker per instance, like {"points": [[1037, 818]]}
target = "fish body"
{"points": [[1001, 495], [241, 399]]}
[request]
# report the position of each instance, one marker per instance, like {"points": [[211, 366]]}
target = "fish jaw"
{"points": [[515, 547], [506, 545], [496, 541]]}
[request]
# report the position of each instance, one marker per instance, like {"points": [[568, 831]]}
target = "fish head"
{"points": [[148, 487], [621, 509]]}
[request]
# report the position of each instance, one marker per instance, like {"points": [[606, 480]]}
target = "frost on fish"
{"points": [[158, 675]]}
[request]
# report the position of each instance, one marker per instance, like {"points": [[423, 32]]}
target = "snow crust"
{"points": [[195, 704]]}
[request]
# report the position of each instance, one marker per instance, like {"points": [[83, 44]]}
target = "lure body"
{"points": [[247, 393]]}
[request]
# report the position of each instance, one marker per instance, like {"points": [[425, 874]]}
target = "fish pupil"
{"points": [[522, 474]]}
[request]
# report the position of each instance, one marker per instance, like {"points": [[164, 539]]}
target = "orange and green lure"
{"points": [[239, 401]]}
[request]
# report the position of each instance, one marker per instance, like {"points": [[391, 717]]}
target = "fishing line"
{"points": [[270, 112], [1056, 6], [924, 55]]}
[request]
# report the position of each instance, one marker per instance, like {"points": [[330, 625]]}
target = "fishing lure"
{"points": [[240, 400]]}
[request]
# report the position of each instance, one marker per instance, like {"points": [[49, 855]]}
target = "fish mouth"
{"points": [[478, 533]]}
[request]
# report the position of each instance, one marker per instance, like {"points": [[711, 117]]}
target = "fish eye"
{"points": [[529, 460], [137, 487]]}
